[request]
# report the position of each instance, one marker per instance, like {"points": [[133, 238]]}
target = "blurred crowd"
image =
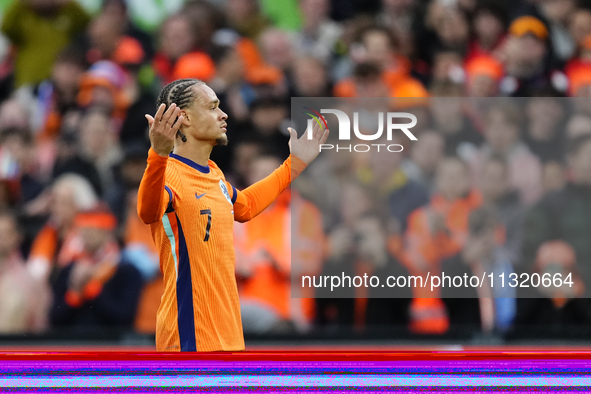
{"points": [[492, 184], [495, 186]]}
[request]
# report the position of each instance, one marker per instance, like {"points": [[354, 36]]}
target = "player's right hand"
{"points": [[163, 128]]}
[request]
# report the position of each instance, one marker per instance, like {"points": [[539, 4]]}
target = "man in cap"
{"points": [[95, 290], [527, 61]]}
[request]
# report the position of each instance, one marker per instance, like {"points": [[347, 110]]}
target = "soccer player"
{"points": [[191, 210]]}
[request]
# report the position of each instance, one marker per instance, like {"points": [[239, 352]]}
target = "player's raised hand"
{"points": [[307, 149], [163, 128]]}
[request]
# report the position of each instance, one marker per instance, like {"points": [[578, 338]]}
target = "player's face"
{"points": [[207, 121]]}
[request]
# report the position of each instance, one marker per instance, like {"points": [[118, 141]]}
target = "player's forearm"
{"points": [[150, 200], [255, 198]]}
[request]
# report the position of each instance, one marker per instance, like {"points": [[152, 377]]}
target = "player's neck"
{"points": [[194, 150]]}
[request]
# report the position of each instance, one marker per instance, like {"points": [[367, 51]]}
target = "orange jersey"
{"points": [[191, 211]]}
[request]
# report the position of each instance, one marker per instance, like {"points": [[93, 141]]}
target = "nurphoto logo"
{"points": [[344, 133]]}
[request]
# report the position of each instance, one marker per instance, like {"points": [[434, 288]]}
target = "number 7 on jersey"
{"points": [[208, 213]]}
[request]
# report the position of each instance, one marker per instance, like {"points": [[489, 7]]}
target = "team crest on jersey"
{"points": [[225, 191]]}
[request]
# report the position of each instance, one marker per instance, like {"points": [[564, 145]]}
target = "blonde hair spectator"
{"points": [[84, 195], [70, 194]]}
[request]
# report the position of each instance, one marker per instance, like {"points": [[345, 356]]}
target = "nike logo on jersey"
{"points": [[199, 196]]}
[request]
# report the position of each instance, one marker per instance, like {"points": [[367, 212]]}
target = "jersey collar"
{"points": [[191, 163]]}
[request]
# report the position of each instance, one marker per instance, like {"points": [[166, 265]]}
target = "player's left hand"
{"points": [[307, 149]]}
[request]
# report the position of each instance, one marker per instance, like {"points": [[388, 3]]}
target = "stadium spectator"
{"points": [[578, 69], [266, 258], [105, 84], [246, 18], [557, 15], [545, 117], [117, 11], [25, 301], [447, 68], [20, 170], [278, 50], [68, 159], [207, 20], [440, 229], [356, 199], [14, 114], [95, 289], [268, 116], [561, 214], [562, 306], [176, 38], [450, 25], [366, 81], [526, 58], [68, 195], [20, 155], [376, 47], [87, 94], [399, 15], [97, 143], [579, 124], [257, 72], [384, 175], [502, 132], [386, 307], [237, 95], [436, 232], [484, 307], [310, 78], [580, 25], [56, 97], [178, 55], [308, 253], [40, 30], [503, 199], [344, 307], [104, 36], [319, 35], [326, 181], [138, 246], [449, 118], [580, 83], [245, 150], [127, 175], [141, 101], [489, 25], [554, 177], [483, 74], [425, 157]]}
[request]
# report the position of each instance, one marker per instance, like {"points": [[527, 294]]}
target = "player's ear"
{"points": [[186, 119]]}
